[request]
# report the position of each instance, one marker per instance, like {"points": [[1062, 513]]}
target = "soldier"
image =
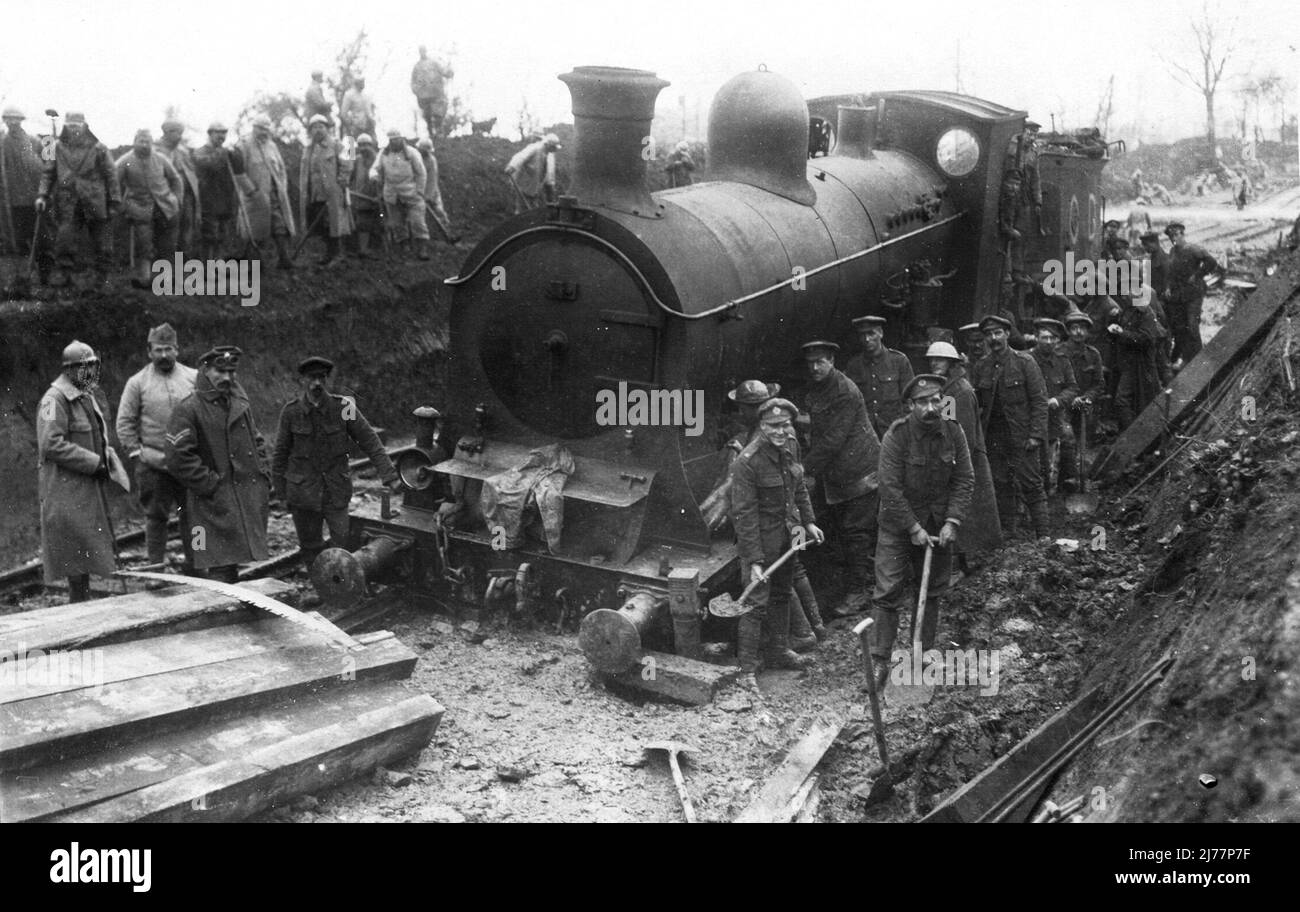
{"points": [[148, 400], [270, 213], [151, 191], [314, 99], [218, 168], [1062, 389], [309, 468], [926, 482], [429, 86], [1164, 370], [1139, 221], [983, 531], [806, 626], [1189, 265], [20, 182], [322, 182], [769, 502], [401, 176], [181, 156], [367, 209], [433, 192], [214, 450], [357, 110], [1013, 403], [975, 343], [1110, 238], [79, 175], [75, 465], [880, 373], [1136, 336], [1090, 375], [842, 453], [680, 165], [1024, 150], [531, 172]]}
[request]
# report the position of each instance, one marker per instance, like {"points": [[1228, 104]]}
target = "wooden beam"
{"points": [[776, 800], [127, 617], [270, 774], [70, 784], [975, 797], [60, 725], [676, 677], [1251, 318]]}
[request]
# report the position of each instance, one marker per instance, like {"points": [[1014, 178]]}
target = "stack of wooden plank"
{"points": [[182, 704]]}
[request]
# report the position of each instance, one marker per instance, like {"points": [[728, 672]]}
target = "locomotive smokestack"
{"points": [[856, 133], [612, 111]]}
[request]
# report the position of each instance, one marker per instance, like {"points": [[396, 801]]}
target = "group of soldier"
{"points": [[190, 441], [218, 200], [899, 463]]}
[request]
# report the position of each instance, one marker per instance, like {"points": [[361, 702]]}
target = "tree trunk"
{"points": [[1209, 121]]}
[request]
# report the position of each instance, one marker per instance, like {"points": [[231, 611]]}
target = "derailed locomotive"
{"points": [[678, 293]]}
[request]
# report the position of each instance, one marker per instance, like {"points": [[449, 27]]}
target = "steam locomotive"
{"points": [[681, 291]]}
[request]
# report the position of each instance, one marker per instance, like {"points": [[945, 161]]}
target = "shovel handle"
{"points": [[920, 598], [767, 574], [687, 807]]}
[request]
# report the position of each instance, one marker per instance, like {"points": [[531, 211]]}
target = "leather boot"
{"points": [[801, 635], [883, 634], [422, 248], [808, 601], [331, 252], [776, 650], [749, 634]]}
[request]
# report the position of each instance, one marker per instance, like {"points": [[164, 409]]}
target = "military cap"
{"points": [[923, 385], [222, 356], [318, 119], [1111, 223], [393, 131], [552, 140], [317, 74], [163, 334], [217, 127], [1033, 125], [261, 120], [172, 123], [995, 321], [752, 392], [1077, 316], [315, 363], [1055, 326], [74, 117], [145, 134], [1013, 172], [365, 139], [819, 345], [861, 323], [1149, 236], [1175, 226], [772, 407], [12, 113], [941, 349], [969, 327], [425, 144]]}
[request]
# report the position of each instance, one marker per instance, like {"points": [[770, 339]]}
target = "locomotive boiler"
{"points": [[680, 293]]}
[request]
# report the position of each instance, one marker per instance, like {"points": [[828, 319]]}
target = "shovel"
{"points": [[1084, 501], [672, 749], [724, 606], [861, 632], [917, 693]]}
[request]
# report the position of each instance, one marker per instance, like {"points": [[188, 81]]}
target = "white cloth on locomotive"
{"points": [[538, 481]]}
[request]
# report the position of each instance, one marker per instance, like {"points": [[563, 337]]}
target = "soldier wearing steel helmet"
{"points": [[218, 167], [79, 180], [926, 482], [75, 461]]}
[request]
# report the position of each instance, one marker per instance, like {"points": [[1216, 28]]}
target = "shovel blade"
{"points": [[725, 606]]}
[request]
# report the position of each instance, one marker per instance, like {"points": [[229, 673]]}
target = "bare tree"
{"points": [[1105, 108], [1214, 44], [528, 123]]}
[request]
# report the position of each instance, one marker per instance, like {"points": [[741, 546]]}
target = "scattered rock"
{"points": [[633, 761], [498, 714], [1017, 625], [442, 627], [551, 779], [512, 773], [468, 763], [735, 704], [531, 668], [440, 813], [391, 778]]}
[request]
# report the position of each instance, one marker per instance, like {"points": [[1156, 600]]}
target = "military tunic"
{"points": [[881, 381]]}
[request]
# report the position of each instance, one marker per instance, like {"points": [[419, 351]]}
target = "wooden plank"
{"points": [[972, 799], [677, 677], [774, 801], [63, 786], [126, 617], [67, 724], [63, 671], [272, 774], [1251, 318]]}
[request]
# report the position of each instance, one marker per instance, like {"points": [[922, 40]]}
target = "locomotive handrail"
{"points": [[649, 289]]}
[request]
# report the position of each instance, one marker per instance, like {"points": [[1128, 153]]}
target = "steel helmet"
{"points": [[79, 353], [942, 350]]}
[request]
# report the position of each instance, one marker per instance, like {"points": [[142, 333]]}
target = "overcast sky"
{"points": [[124, 62]]}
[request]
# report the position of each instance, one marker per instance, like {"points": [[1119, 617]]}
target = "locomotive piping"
{"points": [[649, 290]]}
